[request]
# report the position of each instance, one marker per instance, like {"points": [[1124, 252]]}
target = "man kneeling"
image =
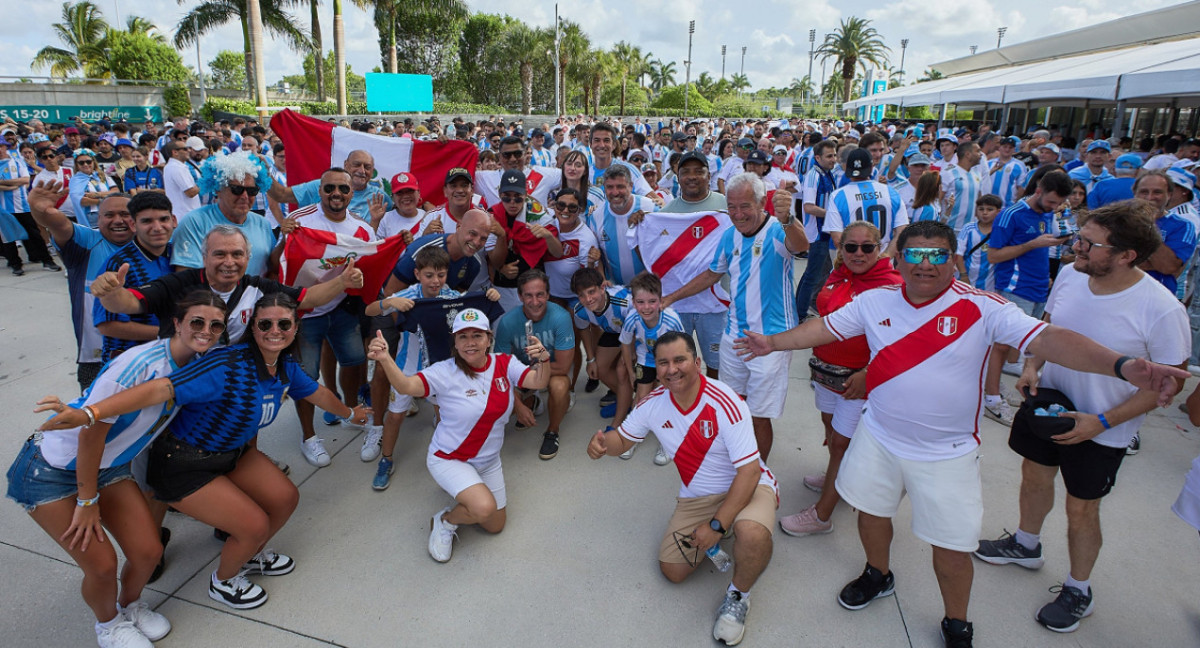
{"points": [[727, 489]]}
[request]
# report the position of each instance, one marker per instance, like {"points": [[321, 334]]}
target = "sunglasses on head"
{"points": [[567, 207], [198, 324], [238, 190], [853, 248], [265, 325], [935, 256], [512, 154], [339, 188]]}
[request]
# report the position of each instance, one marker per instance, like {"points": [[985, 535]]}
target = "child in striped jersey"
{"points": [[643, 326], [972, 261], [432, 265]]}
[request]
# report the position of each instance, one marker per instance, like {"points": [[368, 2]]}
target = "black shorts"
{"points": [[609, 339], [386, 323], [1089, 470], [178, 469], [644, 375]]}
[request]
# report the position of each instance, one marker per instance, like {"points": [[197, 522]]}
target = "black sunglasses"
{"points": [[197, 324], [512, 199], [78, 162], [512, 154], [572, 207], [265, 325], [852, 248], [238, 190], [341, 188], [47, 156]]}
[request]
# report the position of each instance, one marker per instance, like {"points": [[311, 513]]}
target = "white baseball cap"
{"points": [[471, 318]]}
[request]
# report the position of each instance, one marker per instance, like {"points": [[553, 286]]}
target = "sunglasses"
{"points": [[238, 190], [512, 154], [512, 199], [284, 325], [84, 161], [571, 207], [332, 188], [935, 256], [198, 324], [853, 248], [47, 156]]}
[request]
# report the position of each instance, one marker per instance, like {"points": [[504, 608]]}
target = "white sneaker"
{"points": [[1013, 368], [441, 536], [314, 451], [414, 409], [628, 454], [371, 443], [1011, 396], [571, 403], [121, 635], [999, 412], [731, 619], [660, 457], [150, 623]]}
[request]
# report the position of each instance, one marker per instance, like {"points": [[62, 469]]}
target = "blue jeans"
{"points": [[708, 328], [816, 271], [340, 328], [1031, 308]]}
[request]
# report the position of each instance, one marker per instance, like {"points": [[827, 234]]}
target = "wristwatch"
{"points": [[715, 525]]}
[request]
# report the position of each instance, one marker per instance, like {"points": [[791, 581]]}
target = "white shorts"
{"points": [[762, 381], [845, 412], [1187, 505], [398, 403], [946, 495], [138, 468], [456, 476]]}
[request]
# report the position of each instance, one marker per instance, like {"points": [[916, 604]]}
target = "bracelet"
{"points": [[84, 503], [1104, 422], [1120, 363], [91, 414], [590, 361]]}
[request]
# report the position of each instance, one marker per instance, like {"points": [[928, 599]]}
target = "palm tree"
{"points": [[801, 87], [855, 43], [339, 56], [139, 25], [211, 15], [573, 45], [592, 69], [644, 66], [705, 85], [663, 75], [525, 45], [739, 82], [317, 51], [931, 75], [627, 60], [83, 31]]}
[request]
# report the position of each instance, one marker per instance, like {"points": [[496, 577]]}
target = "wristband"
{"points": [[1120, 363], [590, 361], [84, 503], [1104, 422]]}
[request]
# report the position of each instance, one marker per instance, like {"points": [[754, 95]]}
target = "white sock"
{"points": [[111, 622], [1028, 540], [446, 523], [1082, 586], [745, 595], [991, 399]]}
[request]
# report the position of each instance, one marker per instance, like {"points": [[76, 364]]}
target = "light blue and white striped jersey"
{"points": [[966, 187], [1005, 179], [873, 202], [612, 318], [621, 262], [640, 186], [410, 350], [930, 212], [760, 280], [541, 157], [644, 337], [14, 201], [130, 433], [1184, 286], [980, 273]]}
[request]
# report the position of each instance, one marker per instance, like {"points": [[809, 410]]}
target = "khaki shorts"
{"points": [[691, 512]]}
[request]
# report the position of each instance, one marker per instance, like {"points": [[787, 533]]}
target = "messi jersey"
{"points": [[873, 202]]}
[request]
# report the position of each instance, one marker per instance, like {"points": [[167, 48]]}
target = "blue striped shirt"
{"points": [[980, 273], [760, 280]]}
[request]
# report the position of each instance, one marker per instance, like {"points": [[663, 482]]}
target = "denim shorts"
{"points": [[340, 328], [33, 482], [178, 469], [1031, 308]]}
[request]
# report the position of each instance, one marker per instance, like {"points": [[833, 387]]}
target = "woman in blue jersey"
{"points": [[141, 176], [927, 199], [92, 462], [89, 188], [206, 464]]}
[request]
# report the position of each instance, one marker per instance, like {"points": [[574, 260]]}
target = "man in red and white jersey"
{"points": [[934, 331], [705, 427]]}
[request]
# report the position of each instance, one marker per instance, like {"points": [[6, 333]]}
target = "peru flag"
{"points": [[315, 145], [310, 256], [677, 248]]}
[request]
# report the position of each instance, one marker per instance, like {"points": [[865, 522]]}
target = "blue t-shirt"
{"points": [[143, 268], [136, 178], [461, 273], [225, 396], [1179, 234], [189, 238], [1110, 191], [84, 256], [309, 193], [554, 331], [1027, 276]]}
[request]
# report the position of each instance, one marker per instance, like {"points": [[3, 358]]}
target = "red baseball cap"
{"points": [[402, 181]]}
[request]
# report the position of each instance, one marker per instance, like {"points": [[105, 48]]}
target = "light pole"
{"points": [[903, 51], [812, 39], [557, 96], [687, 81], [742, 72], [199, 67], [1000, 35], [722, 61], [973, 49]]}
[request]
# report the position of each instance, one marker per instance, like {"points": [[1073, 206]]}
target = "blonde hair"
{"points": [[864, 225]]}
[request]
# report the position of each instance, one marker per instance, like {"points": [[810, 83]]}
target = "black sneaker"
{"points": [[608, 399], [957, 634], [1005, 550], [1135, 445], [18, 271], [873, 584], [591, 385], [51, 266], [165, 535], [1063, 613], [549, 446], [237, 592]]}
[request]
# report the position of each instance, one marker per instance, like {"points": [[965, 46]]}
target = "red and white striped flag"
{"points": [[312, 256], [315, 145], [677, 248]]}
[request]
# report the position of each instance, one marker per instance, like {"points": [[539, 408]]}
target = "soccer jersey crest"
{"points": [[947, 326], [501, 383], [698, 232]]}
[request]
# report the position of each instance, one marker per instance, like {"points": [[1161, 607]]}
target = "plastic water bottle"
{"points": [[719, 557]]}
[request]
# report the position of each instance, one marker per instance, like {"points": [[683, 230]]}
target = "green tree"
{"points": [[211, 15], [483, 74], [627, 62], [228, 70], [931, 75], [706, 85], [593, 69], [139, 25], [739, 82], [802, 87], [524, 46], [137, 56], [354, 82], [424, 38], [83, 32], [662, 75], [672, 99], [854, 44]]}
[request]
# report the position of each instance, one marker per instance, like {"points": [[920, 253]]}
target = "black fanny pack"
{"points": [[829, 376]]}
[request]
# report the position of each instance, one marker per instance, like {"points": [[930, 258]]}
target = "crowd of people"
{"points": [[658, 261]]}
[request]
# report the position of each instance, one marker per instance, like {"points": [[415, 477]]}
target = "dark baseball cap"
{"points": [[858, 164], [678, 136], [459, 172], [512, 180], [693, 156], [757, 156]]}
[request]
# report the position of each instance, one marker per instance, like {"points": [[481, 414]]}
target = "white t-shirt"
{"points": [[925, 383], [576, 245], [733, 166], [393, 223], [473, 410], [313, 217], [176, 180], [1143, 321], [708, 442]]}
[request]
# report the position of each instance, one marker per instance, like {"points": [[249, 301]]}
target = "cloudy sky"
{"points": [[774, 31]]}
